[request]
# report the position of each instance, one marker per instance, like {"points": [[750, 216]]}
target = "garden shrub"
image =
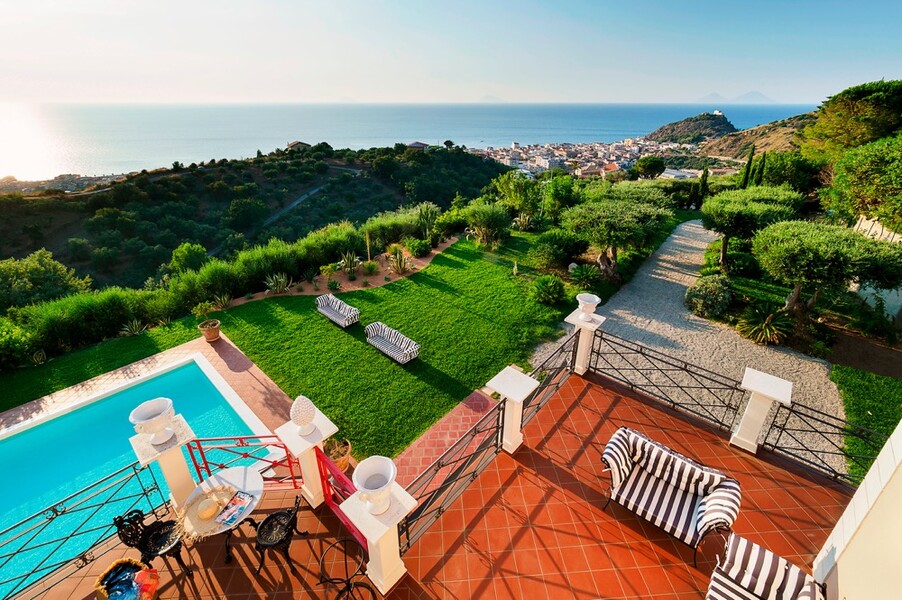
{"points": [[548, 289], [15, 344], [418, 248], [710, 296], [585, 275], [393, 226], [557, 248], [765, 323], [370, 267], [489, 223], [450, 222]]}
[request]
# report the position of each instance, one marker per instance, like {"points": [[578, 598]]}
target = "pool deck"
{"points": [[257, 390]]}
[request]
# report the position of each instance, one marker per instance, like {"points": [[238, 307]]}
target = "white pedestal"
{"points": [[385, 567], [302, 447], [766, 389], [170, 458], [587, 331], [515, 387]]}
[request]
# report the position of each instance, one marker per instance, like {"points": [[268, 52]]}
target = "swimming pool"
{"points": [[44, 461]]}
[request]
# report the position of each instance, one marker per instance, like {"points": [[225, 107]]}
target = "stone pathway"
{"points": [[649, 310]]}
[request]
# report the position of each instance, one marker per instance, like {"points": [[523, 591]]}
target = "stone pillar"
{"points": [[170, 458], [302, 447], [587, 331], [765, 389], [385, 567], [514, 387]]}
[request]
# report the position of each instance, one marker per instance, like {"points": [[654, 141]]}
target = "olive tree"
{"points": [[740, 213], [813, 257], [868, 181], [614, 224]]}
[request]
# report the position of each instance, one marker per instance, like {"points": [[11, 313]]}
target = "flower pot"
{"points": [[210, 329], [373, 478], [587, 305], [339, 452], [154, 418]]}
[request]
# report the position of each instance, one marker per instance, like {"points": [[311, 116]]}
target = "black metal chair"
{"points": [[349, 556], [276, 532], [160, 538]]}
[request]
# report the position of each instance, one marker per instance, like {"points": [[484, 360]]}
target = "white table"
{"points": [[244, 479]]}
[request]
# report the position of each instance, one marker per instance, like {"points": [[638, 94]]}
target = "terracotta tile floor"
{"points": [[532, 525]]}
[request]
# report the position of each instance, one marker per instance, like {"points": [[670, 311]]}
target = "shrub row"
{"points": [[80, 319]]}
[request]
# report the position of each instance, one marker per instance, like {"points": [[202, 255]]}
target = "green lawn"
{"points": [[871, 401], [468, 311]]}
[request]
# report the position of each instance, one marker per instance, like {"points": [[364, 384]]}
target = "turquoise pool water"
{"points": [[46, 463]]}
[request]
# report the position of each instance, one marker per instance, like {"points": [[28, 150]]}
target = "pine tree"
{"points": [[759, 174], [747, 171], [703, 187]]}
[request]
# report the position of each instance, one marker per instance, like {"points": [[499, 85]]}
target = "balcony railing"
{"points": [[552, 373], [67, 536], [682, 385]]}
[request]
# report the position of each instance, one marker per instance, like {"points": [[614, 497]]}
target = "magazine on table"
{"points": [[233, 511]]}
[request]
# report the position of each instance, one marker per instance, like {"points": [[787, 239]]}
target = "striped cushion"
{"points": [[765, 574], [724, 588], [660, 503], [618, 457], [680, 471], [719, 507]]}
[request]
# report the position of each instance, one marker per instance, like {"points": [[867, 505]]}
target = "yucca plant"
{"points": [[164, 321], [585, 275], [522, 222], [398, 262], [311, 274], [765, 324], [222, 301], [278, 283], [349, 263], [133, 327]]}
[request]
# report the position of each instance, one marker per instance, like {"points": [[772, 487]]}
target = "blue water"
{"points": [[47, 463], [41, 141]]}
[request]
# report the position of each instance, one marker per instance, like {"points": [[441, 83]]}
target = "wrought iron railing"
{"points": [[280, 469], [552, 373], [682, 385], [828, 444], [446, 479], [53, 543]]}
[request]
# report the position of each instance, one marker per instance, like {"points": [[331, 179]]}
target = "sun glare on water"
{"points": [[28, 148]]}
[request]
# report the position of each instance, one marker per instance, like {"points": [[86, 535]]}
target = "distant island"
{"points": [[746, 98], [706, 126]]}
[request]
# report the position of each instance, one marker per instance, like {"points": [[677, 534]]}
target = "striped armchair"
{"points": [[671, 491], [392, 342], [749, 572], [337, 311]]}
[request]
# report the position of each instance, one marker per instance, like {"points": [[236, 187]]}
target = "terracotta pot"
{"points": [[338, 452], [210, 329]]}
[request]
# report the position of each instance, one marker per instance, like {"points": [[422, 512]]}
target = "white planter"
{"points": [[373, 478], [587, 305], [154, 418]]}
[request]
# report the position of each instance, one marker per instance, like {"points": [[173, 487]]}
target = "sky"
{"points": [[274, 51]]}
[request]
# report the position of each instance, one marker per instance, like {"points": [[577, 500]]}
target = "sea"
{"points": [[41, 141]]}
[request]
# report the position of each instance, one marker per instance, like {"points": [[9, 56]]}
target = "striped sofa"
{"points": [[750, 572], [673, 492], [337, 311], [392, 342]]}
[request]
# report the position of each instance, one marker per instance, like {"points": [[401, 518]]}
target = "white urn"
{"points": [[587, 305], [154, 418], [373, 478]]}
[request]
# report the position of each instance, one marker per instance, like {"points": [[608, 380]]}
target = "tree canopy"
{"points": [[36, 278], [188, 256], [649, 166], [868, 181], [740, 213], [818, 257], [856, 116], [518, 192], [612, 224]]}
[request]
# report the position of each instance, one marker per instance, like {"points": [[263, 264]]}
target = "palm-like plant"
{"points": [[349, 262], [278, 283], [765, 324], [133, 327], [585, 275], [398, 262]]}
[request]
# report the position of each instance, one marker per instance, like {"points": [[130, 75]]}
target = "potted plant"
{"points": [[339, 451], [209, 327]]}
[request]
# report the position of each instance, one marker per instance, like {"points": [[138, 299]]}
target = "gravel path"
{"points": [[649, 310]]}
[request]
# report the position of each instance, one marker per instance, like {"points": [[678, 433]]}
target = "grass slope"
{"points": [[871, 401]]}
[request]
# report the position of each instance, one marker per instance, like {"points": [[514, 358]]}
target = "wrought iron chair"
{"points": [[160, 538], [349, 556], [276, 532]]}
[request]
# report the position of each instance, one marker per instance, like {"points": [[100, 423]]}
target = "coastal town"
{"points": [[594, 159]]}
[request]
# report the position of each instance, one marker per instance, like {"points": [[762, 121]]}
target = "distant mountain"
{"points": [[693, 130], [778, 136], [747, 98]]}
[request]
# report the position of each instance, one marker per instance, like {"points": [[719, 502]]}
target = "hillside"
{"points": [[778, 136], [694, 129]]}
